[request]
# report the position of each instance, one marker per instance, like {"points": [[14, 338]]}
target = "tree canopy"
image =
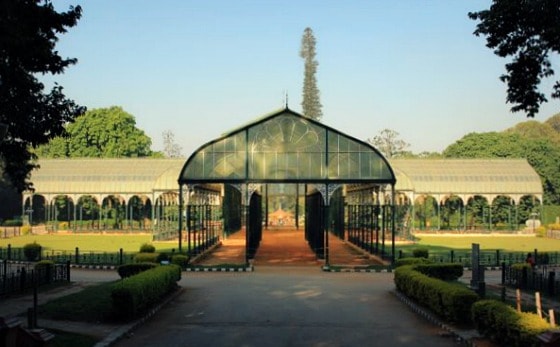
{"points": [[311, 102], [31, 115], [101, 133], [528, 32], [389, 144]]}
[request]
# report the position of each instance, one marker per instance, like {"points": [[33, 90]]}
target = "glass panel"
{"points": [[286, 147]]}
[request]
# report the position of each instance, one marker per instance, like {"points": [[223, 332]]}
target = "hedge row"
{"points": [[442, 271], [451, 301], [177, 259], [129, 270], [135, 294], [505, 325]]}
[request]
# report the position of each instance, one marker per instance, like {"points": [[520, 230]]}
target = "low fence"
{"points": [[492, 258], [544, 279], [77, 257], [21, 277]]}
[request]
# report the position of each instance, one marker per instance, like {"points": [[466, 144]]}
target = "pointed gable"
{"points": [[286, 147]]}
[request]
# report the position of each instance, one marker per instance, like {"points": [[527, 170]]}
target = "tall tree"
{"points": [[101, 133], [528, 32], [32, 116], [311, 102], [170, 148], [389, 144]]}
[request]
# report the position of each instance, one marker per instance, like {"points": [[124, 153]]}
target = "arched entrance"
{"points": [[336, 173]]}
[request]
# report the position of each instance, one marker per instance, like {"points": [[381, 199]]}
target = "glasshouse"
{"points": [[283, 169]]}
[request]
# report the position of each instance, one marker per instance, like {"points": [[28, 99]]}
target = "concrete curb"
{"points": [[353, 269], [461, 337], [221, 269]]}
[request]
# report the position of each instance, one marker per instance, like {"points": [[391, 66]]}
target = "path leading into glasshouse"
{"points": [[286, 246]]}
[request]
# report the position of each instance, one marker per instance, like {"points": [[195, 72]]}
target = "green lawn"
{"points": [[512, 243], [89, 242]]}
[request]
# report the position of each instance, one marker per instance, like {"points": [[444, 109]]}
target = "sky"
{"points": [[202, 68]]}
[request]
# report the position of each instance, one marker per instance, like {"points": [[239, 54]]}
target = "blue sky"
{"points": [[201, 68]]}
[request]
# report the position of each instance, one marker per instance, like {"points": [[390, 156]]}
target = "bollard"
{"points": [[120, 256], [77, 256]]}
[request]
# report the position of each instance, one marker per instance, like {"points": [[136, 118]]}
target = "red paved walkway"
{"points": [[285, 246]]}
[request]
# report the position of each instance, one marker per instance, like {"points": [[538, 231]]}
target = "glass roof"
{"points": [[286, 147]]}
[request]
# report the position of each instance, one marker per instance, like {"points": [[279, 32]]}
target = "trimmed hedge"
{"points": [[137, 293], [420, 253], [450, 301], [32, 251], [128, 270], [146, 257], [147, 248], [181, 260], [503, 324], [442, 271], [411, 261]]}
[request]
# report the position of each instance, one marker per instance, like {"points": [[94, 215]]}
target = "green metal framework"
{"points": [[286, 147]]}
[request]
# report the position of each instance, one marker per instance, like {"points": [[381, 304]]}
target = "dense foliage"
{"points": [[537, 142], [100, 133], [528, 32], [32, 115], [506, 326]]}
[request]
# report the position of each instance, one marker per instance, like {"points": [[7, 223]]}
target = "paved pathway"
{"points": [[287, 306], [286, 246]]}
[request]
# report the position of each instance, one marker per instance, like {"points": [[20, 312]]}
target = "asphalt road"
{"points": [[287, 306]]}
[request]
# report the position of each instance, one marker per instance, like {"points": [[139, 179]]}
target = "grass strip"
{"points": [[93, 304]]}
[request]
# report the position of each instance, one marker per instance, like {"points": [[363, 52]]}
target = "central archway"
{"points": [[337, 171]]}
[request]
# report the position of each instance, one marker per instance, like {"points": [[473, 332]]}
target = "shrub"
{"points": [[147, 248], [26, 230], [63, 225], [32, 251], [442, 271], [12, 223], [504, 325], [451, 301], [411, 261], [420, 253], [146, 258], [180, 260], [136, 294], [540, 231], [128, 270]]}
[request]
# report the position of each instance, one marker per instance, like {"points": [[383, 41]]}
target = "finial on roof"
{"points": [[286, 99]]}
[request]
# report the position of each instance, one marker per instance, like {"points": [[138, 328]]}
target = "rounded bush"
{"points": [[32, 251], [146, 258], [420, 253], [25, 230], [181, 260], [147, 248]]}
